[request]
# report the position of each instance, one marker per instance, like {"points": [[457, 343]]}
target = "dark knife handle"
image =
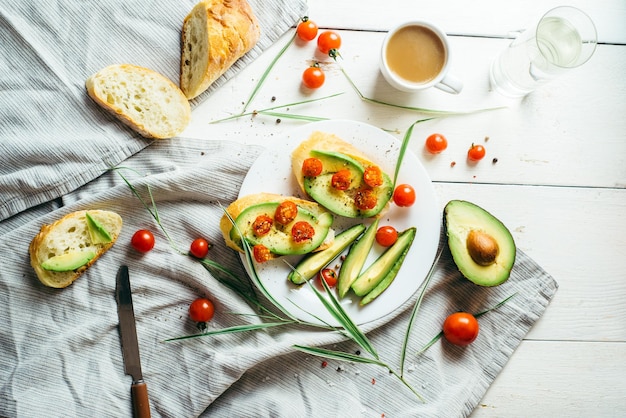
{"points": [[141, 405]]}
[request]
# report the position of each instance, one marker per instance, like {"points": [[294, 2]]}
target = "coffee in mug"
{"points": [[415, 56]]}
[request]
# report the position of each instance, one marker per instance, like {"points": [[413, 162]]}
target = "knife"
{"points": [[130, 346]]}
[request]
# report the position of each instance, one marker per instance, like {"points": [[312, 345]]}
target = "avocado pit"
{"points": [[482, 247]]}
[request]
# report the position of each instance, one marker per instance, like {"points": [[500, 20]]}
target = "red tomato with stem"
{"points": [[142, 240], [476, 152], [201, 310], [436, 143], [404, 195], [386, 235], [313, 77], [461, 328], [327, 41], [199, 248], [307, 29], [329, 276]]}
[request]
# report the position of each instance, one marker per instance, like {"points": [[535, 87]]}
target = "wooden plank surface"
{"points": [[559, 182]]}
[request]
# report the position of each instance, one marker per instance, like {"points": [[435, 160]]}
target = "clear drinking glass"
{"points": [[564, 38]]}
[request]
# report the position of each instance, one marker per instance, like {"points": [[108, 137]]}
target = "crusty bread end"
{"points": [[70, 234], [215, 34], [143, 99]]}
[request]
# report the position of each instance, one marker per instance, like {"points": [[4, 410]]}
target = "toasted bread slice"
{"points": [[143, 99], [215, 34], [238, 206], [70, 235]]}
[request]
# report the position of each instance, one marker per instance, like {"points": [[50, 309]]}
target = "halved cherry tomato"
{"points": [[341, 179], [476, 152], [307, 29], [327, 41], [312, 167], [460, 328], [365, 199], [436, 143], [261, 253], [286, 212], [329, 276], [142, 240], [386, 235], [302, 231], [199, 248], [373, 176], [262, 225], [201, 310], [404, 195], [313, 77]]}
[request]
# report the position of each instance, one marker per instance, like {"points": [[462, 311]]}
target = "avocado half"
{"points": [[482, 247]]}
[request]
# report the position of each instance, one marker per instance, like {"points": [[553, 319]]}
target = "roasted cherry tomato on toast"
{"points": [[312, 167], [436, 143], [142, 240], [461, 328], [262, 225], [201, 310], [286, 212], [261, 253], [365, 199], [341, 180], [373, 176], [302, 231], [199, 248], [327, 41], [307, 29], [404, 195]]}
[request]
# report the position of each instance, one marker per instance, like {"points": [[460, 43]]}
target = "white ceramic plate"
{"points": [[272, 172]]}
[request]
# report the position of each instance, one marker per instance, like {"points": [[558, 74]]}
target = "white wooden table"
{"points": [[559, 183]]}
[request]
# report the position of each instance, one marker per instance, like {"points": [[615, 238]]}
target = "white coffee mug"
{"points": [[415, 55]]}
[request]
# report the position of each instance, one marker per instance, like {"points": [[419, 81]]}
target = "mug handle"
{"points": [[450, 84]]}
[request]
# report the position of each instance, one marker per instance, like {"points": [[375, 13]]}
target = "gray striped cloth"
{"points": [[60, 352], [53, 137]]}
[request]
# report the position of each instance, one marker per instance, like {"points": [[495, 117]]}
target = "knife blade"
{"points": [[130, 345]]}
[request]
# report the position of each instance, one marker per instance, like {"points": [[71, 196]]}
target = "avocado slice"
{"points": [[378, 276], [355, 260], [341, 202], [68, 262], [309, 266], [97, 233], [483, 248], [279, 240]]}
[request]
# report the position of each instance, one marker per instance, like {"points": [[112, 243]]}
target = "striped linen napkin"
{"points": [[60, 352]]}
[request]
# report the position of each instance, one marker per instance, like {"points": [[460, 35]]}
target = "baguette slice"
{"points": [[215, 34], [67, 235], [143, 99]]}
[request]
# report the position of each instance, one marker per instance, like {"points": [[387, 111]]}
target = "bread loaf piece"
{"points": [[69, 235], [215, 34], [141, 98]]}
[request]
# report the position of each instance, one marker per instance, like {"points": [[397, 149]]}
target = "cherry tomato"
{"points": [[286, 212], [302, 231], [307, 29], [365, 199], [328, 40], [262, 225], [436, 143], [313, 77], [261, 253], [329, 276], [199, 248], [312, 167], [201, 310], [386, 235], [476, 152], [373, 176], [404, 195], [460, 328], [142, 240], [341, 180]]}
